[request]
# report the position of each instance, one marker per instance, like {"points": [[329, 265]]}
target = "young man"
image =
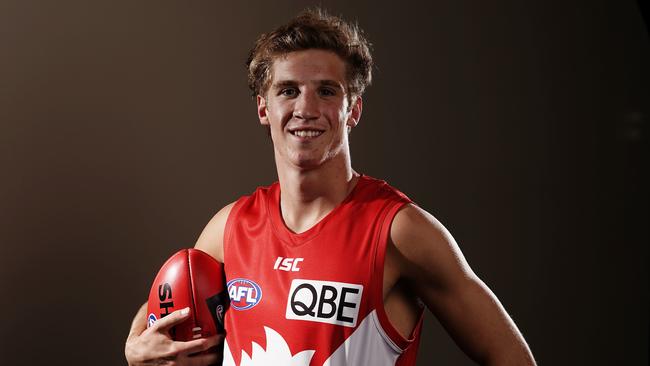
{"points": [[340, 264]]}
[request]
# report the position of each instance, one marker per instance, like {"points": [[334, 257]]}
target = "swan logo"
{"points": [[367, 345], [244, 293], [277, 352]]}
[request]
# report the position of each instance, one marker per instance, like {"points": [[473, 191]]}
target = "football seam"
{"points": [[191, 277]]}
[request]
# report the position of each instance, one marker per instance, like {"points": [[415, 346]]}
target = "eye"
{"points": [[327, 92], [289, 92]]}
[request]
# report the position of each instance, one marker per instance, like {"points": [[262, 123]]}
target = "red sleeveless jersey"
{"points": [[313, 298]]}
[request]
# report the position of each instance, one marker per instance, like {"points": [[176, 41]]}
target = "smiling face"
{"points": [[307, 110]]}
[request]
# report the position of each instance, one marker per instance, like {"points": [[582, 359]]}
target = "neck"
{"points": [[308, 195]]}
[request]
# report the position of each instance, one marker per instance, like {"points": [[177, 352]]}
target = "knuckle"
{"points": [[174, 350], [203, 344]]}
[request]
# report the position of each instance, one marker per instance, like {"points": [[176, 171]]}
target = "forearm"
{"points": [[139, 322], [480, 325], [517, 354], [138, 325], [511, 349]]}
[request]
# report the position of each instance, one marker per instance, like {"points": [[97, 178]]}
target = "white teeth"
{"points": [[307, 133]]}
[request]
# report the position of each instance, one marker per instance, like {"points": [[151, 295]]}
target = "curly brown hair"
{"points": [[312, 29]]}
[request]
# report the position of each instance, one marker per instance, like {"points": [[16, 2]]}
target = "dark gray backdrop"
{"points": [[124, 126]]}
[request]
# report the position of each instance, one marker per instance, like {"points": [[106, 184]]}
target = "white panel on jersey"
{"points": [[366, 346], [324, 301]]}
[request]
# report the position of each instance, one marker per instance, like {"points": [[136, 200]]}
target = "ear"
{"points": [[261, 110], [355, 112]]}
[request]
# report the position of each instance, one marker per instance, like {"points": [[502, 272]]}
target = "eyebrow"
{"points": [[287, 83]]}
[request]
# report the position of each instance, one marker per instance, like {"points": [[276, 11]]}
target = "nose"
{"points": [[306, 106]]}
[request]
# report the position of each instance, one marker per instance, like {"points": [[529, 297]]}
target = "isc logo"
{"points": [[243, 293], [287, 264], [324, 301]]}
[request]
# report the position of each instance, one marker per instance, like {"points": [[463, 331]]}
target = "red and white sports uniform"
{"points": [[313, 298]]}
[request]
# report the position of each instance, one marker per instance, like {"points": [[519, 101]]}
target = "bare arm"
{"points": [[432, 262], [211, 239], [154, 346]]}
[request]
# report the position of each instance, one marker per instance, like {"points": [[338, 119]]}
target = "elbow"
{"points": [[519, 357]]}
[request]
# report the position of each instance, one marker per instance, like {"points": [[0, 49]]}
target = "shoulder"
{"points": [[376, 190], [211, 238], [425, 248], [412, 224]]}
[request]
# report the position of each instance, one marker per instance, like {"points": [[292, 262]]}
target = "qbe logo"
{"points": [[324, 301], [243, 293]]}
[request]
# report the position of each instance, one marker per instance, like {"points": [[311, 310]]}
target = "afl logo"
{"points": [[151, 319], [243, 293]]}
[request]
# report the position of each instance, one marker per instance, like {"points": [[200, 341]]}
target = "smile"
{"points": [[306, 133]]}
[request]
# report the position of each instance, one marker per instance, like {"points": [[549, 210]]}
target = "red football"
{"points": [[190, 278]]}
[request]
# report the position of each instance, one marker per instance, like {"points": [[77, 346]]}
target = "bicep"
{"points": [[428, 253], [436, 269], [211, 238]]}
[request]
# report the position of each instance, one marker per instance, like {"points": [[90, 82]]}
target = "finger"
{"points": [[215, 340], [197, 345], [176, 317]]}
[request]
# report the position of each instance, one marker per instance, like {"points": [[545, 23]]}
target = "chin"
{"points": [[307, 162], [304, 159]]}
